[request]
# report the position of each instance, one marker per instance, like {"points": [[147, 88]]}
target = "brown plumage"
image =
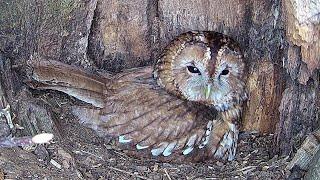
{"points": [[188, 110]]}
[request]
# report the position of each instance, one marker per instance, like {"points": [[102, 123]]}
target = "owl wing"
{"points": [[139, 113], [132, 108]]}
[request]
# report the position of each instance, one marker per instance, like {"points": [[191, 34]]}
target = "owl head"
{"points": [[205, 67]]}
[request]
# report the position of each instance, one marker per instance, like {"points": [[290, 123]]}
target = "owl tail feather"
{"points": [[222, 143], [71, 80]]}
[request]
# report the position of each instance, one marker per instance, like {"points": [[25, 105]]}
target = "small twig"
{"points": [[129, 173], [6, 113], [25, 141], [165, 170], [121, 155], [92, 154], [126, 157], [247, 169], [55, 164]]}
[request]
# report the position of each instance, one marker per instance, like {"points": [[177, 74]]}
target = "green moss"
{"points": [[67, 6]]}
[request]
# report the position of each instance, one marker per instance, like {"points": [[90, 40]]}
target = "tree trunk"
{"points": [[299, 109], [280, 39]]}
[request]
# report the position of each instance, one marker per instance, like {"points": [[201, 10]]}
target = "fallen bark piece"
{"points": [[314, 170], [307, 152]]}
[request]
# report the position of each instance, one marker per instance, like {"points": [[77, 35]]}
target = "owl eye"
{"points": [[193, 69], [225, 72]]}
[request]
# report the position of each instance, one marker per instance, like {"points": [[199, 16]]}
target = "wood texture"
{"points": [[299, 109], [179, 16], [303, 30], [5, 129], [264, 85], [51, 29], [314, 171], [121, 34], [307, 152]]}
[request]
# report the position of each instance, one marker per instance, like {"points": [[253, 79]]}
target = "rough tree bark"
{"points": [[280, 39], [299, 110]]}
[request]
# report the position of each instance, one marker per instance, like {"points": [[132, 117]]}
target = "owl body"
{"points": [[186, 107]]}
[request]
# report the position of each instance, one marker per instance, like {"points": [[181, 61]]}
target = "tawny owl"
{"points": [[186, 108]]}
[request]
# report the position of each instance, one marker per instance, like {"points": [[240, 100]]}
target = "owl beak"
{"points": [[208, 91]]}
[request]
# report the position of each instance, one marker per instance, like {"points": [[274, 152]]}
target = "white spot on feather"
{"points": [[169, 148], [205, 139], [192, 140], [232, 127], [187, 151], [204, 142], [160, 149], [122, 139], [190, 144], [139, 147], [208, 132], [209, 125]]}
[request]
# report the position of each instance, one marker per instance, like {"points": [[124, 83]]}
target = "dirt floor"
{"points": [[77, 153]]}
